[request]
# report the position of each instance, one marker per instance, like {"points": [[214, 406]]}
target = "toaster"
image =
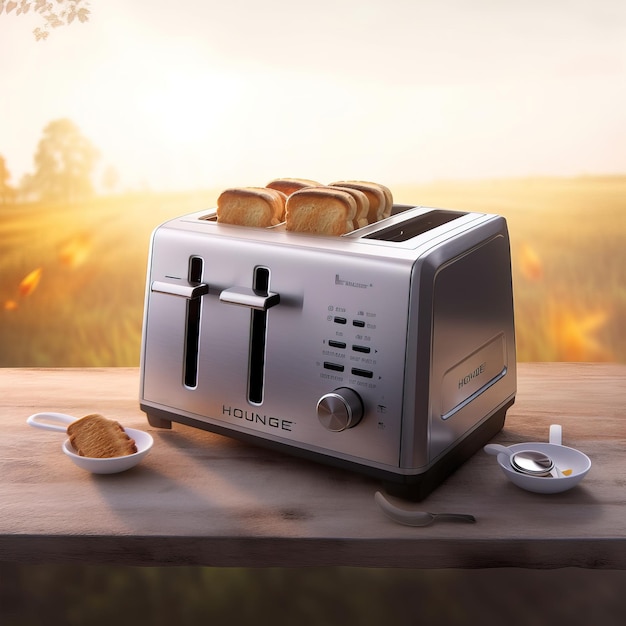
{"points": [[389, 351]]}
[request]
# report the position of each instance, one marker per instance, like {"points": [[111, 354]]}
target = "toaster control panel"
{"points": [[350, 349]]}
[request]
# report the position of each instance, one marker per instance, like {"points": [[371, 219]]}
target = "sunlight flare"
{"points": [[74, 252], [530, 264], [30, 282], [574, 333]]}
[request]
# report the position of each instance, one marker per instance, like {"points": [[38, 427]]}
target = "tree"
{"points": [[64, 163], [7, 193], [59, 13]]}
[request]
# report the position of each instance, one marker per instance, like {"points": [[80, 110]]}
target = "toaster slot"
{"points": [[258, 330], [259, 299], [192, 330], [415, 226]]}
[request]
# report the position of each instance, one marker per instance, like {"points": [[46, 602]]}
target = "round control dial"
{"points": [[340, 409]]}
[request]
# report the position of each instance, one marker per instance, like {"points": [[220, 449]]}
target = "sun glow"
{"points": [[185, 107], [201, 94]]}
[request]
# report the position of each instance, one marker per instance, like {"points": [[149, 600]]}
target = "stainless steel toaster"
{"points": [[389, 350]]}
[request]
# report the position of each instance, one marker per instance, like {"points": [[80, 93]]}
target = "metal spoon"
{"points": [[416, 518], [530, 462]]}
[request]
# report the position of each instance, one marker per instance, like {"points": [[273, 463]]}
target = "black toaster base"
{"points": [[413, 487], [417, 487]]}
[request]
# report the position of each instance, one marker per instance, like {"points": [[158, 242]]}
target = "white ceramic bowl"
{"points": [[112, 465], [564, 458]]}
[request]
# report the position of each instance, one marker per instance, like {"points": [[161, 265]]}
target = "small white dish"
{"points": [[573, 465], [112, 465]]}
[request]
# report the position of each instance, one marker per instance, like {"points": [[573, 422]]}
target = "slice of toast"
{"points": [[388, 198], [362, 206], [379, 196], [251, 206], [320, 210], [290, 185], [98, 437]]}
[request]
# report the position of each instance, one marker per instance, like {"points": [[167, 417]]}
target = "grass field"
{"points": [[72, 277]]}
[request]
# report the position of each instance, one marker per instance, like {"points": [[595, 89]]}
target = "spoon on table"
{"points": [[530, 462], [410, 517]]}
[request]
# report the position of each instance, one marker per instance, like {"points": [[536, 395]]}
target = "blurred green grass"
{"points": [[567, 246], [186, 596]]}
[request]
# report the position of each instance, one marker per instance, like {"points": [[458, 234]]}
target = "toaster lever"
{"points": [[186, 290], [254, 299]]}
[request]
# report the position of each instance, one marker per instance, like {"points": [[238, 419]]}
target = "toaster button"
{"points": [[363, 373], [364, 349], [358, 323], [340, 320], [336, 344], [335, 367]]}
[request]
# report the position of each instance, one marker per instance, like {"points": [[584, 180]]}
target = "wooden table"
{"points": [[203, 499]]}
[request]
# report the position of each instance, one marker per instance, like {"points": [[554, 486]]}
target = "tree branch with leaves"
{"points": [[53, 14]]}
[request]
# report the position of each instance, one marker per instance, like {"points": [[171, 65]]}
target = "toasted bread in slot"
{"points": [[388, 199], [320, 210], [362, 206], [290, 185], [251, 206], [375, 194]]}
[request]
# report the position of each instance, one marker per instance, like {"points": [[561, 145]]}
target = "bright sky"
{"points": [[182, 94]]}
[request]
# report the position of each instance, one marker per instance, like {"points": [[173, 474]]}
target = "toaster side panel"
{"points": [[463, 369]]}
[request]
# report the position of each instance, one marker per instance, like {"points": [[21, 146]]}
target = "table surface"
{"points": [[202, 499]]}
